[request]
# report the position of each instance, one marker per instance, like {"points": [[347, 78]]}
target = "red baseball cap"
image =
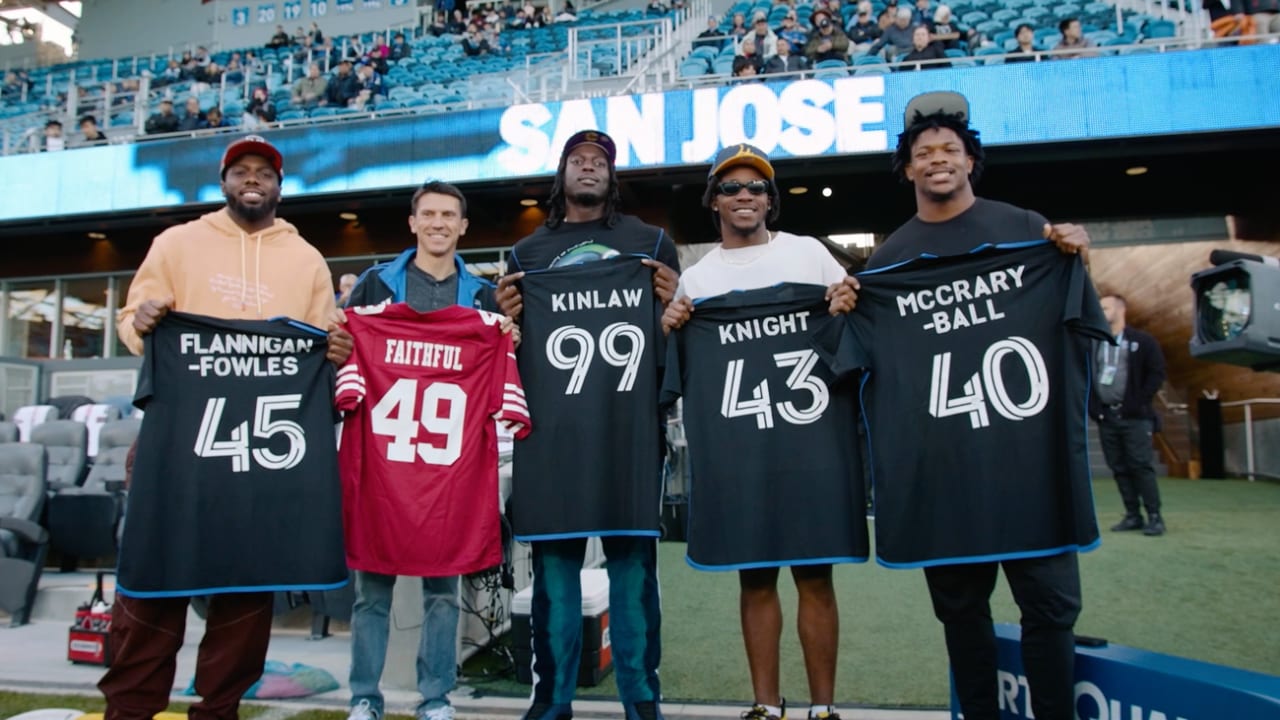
{"points": [[253, 145]]}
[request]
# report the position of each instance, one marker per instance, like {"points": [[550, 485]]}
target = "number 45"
{"points": [[237, 448]]}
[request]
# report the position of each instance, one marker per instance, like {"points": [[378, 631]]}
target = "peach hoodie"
{"points": [[210, 266]]}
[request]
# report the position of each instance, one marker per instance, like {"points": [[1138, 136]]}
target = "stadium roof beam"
{"points": [[52, 10]]}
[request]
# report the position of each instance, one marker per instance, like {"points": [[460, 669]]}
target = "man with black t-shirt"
{"points": [[584, 225], [774, 269], [428, 277], [942, 157]]}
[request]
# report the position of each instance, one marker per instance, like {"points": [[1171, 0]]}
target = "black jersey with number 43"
{"points": [[776, 472], [975, 393], [589, 364], [235, 487]]}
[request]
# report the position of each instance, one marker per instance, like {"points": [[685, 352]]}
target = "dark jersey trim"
{"points": [[589, 534], [305, 327], [972, 251], [998, 557], [619, 256], [226, 590]]}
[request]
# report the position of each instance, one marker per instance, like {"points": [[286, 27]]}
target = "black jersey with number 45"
{"points": [[776, 471], [589, 364], [975, 393], [235, 487]]}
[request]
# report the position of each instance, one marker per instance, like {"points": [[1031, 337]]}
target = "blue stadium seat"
{"points": [[863, 60], [1004, 15], [863, 70], [695, 68], [1159, 29]]}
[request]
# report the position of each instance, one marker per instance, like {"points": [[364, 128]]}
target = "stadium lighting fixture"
{"points": [[826, 192], [798, 190], [348, 216], [529, 202], [1136, 170], [97, 236]]}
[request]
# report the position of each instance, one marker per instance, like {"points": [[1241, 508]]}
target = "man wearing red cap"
{"points": [[239, 263], [584, 224]]}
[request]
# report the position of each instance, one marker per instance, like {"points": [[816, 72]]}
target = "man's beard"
{"points": [[253, 213], [588, 199]]}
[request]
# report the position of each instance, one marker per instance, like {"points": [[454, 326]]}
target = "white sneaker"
{"points": [[443, 712], [362, 711]]}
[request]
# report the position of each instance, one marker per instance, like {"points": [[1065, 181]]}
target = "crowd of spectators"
{"points": [[913, 34]]}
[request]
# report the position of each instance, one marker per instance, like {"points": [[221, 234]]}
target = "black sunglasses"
{"points": [[733, 187]]}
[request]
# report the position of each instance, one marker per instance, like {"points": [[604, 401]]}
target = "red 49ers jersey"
{"points": [[419, 454]]}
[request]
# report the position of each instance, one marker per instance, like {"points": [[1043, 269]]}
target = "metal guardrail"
{"points": [[1250, 459]]}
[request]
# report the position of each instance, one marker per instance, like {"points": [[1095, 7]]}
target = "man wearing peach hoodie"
{"points": [[238, 263]]}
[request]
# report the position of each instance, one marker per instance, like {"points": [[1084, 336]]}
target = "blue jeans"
{"points": [[437, 649], [635, 617]]}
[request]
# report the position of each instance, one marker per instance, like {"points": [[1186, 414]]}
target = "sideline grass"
{"points": [[15, 703], [1206, 590]]}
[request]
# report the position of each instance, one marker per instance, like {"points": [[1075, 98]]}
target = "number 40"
{"points": [[974, 401]]}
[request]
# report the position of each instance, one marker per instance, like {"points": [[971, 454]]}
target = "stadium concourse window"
{"points": [[66, 317], [32, 307], [85, 316]]}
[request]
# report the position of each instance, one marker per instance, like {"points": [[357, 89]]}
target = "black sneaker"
{"points": [[1130, 522], [643, 711], [1155, 526], [758, 712], [548, 711]]}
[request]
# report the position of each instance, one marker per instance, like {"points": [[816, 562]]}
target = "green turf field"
{"points": [[1208, 590]]}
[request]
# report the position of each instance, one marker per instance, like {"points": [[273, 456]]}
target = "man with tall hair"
{"points": [[743, 198], [585, 223], [428, 276], [1127, 376], [941, 156], [201, 267]]}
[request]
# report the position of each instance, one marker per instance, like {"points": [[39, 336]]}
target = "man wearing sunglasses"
{"points": [[743, 198]]}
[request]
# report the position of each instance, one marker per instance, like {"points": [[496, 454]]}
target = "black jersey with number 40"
{"points": [[235, 487], [589, 364], [977, 381], [776, 474]]}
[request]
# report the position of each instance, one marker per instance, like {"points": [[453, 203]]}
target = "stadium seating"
{"points": [[23, 543], [8, 432], [29, 416], [83, 521], [65, 442]]}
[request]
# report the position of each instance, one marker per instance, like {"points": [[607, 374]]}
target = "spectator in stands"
{"points": [[738, 29], [863, 30], [1026, 51], [519, 21], [457, 24], [399, 48], [922, 48], [920, 14], [948, 33], [897, 38], [12, 88], [325, 51], [172, 73], [356, 48], [1073, 39], [744, 69], [213, 119], [655, 8], [163, 121], [309, 91], [189, 66], [544, 17], [370, 85], [90, 132], [439, 25], [279, 39], [749, 50], [475, 44], [302, 51], [53, 140], [784, 60], [317, 37], [234, 73], [711, 37], [766, 41], [201, 56], [791, 31], [827, 41], [260, 111], [567, 14], [191, 117], [253, 64], [343, 87], [299, 36], [212, 74]]}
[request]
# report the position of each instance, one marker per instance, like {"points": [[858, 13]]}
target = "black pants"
{"points": [[1126, 443], [1047, 591]]}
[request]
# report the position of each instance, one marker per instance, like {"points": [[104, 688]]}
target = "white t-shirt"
{"points": [[786, 258]]}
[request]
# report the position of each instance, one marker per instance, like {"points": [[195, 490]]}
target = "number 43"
{"points": [[760, 404]]}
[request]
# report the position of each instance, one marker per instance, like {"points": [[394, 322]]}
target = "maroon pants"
{"points": [[146, 634]]}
